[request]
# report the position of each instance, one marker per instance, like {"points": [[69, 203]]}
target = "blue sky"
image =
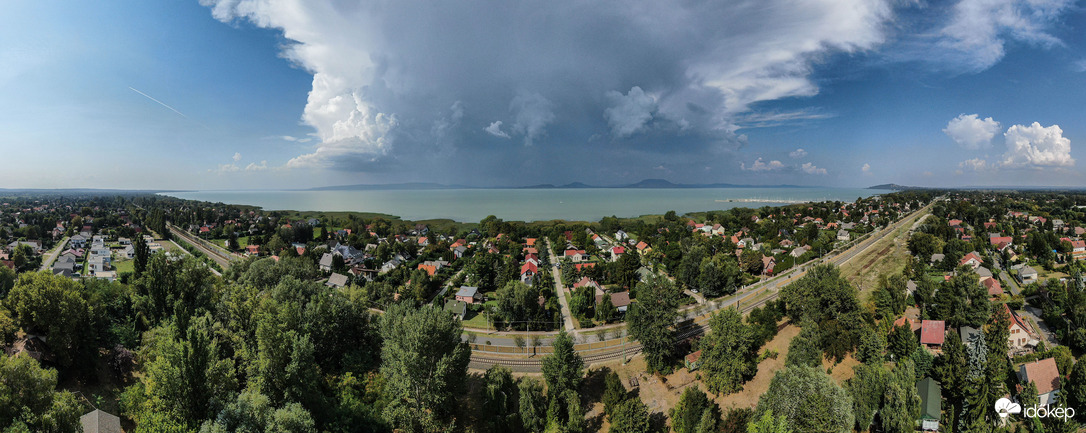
{"points": [[290, 94]]}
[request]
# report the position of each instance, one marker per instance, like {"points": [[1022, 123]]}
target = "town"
{"points": [[910, 311]]}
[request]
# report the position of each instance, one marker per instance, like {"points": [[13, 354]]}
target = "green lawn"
{"points": [[478, 319], [124, 266]]}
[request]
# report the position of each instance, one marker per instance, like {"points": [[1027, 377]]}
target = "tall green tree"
{"points": [[563, 368], [631, 417], [687, 415], [828, 299], [1075, 388], [501, 400], [804, 348], [768, 423], [424, 363], [727, 360], [29, 400], [614, 393], [650, 321], [533, 405], [56, 307], [867, 387], [809, 400], [142, 255]]}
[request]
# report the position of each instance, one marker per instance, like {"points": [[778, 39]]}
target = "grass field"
{"points": [[123, 266]]}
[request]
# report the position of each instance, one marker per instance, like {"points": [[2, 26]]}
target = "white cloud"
{"points": [[810, 168], [296, 139], [979, 29], [798, 153], [1079, 65], [495, 129], [254, 167], [975, 164], [866, 168], [629, 113], [972, 132], [237, 156], [225, 168], [1037, 146], [760, 165]]}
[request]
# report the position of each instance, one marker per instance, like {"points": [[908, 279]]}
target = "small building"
{"points": [[843, 235], [457, 307], [620, 300], [326, 262], [931, 404], [932, 333], [1045, 375], [337, 281], [469, 295], [100, 422], [1026, 274], [692, 361]]}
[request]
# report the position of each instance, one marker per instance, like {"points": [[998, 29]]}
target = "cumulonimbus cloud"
{"points": [[384, 71]]}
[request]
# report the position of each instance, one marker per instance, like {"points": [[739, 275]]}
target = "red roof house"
{"points": [[932, 333]]}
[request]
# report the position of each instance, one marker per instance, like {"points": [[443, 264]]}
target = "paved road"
{"points": [[48, 262], [556, 272]]}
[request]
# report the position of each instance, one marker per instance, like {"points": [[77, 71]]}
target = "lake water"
{"points": [[472, 205]]}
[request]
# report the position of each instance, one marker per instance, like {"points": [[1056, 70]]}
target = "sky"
{"points": [[255, 94]]}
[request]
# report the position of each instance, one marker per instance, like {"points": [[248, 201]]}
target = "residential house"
{"points": [[100, 422], [1018, 335], [843, 235], [527, 271], [620, 300], [326, 262], [585, 281], [1026, 274], [799, 251], [469, 295], [459, 251], [457, 307], [642, 247], [937, 258], [129, 252], [931, 404], [77, 241], [424, 241], [432, 266], [972, 260], [767, 265], [617, 252], [253, 250], [337, 281], [993, 286], [1045, 376], [621, 236], [933, 333]]}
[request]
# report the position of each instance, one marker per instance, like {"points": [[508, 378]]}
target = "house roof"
{"points": [[993, 286], [467, 291], [931, 398], [932, 332], [529, 266], [456, 307], [100, 422], [585, 281], [693, 357], [619, 300], [969, 257], [337, 280], [1044, 374]]}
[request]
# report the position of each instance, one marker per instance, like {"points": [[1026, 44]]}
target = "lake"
{"points": [[472, 205]]}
